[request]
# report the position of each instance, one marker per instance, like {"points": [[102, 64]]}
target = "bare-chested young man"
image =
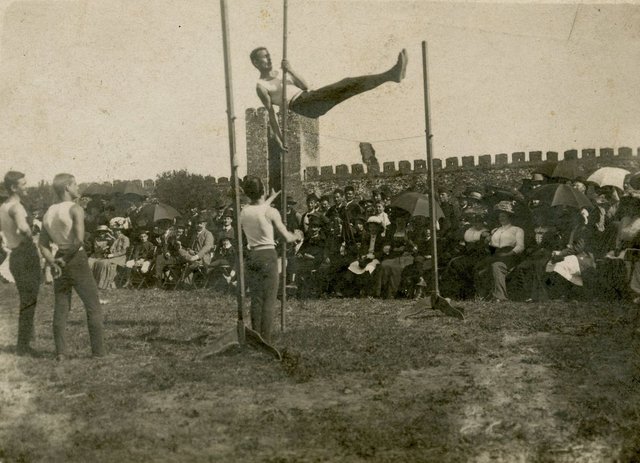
{"points": [[313, 103], [63, 224], [24, 262]]}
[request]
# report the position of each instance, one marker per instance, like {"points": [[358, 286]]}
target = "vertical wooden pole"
{"points": [[234, 167], [283, 171], [432, 192]]}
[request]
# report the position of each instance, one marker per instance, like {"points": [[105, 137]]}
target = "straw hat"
{"points": [[504, 206]]}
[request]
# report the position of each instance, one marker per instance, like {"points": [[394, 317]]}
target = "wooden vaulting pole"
{"points": [[234, 170], [283, 173], [432, 190], [437, 302]]}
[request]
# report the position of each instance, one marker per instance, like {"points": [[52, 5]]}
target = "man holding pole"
{"points": [[313, 103]]}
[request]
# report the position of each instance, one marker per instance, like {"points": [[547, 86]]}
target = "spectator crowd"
{"points": [[551, 238]]}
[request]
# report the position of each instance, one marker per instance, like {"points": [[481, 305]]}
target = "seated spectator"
{"points": [[99, 244], [359, 277], [570, 263], [506, 243], [529, 281], [143, 254], [398, 253], [627, 247], [105, 269], [200, 253], [457, 278], [167, 256], [313, 258], [224, 260]]}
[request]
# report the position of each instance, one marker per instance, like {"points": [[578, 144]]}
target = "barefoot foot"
{"points": [[399, 70]]}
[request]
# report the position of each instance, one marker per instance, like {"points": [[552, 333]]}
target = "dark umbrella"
{"points": [[416, 204], [122, 206], [559, 194], [151, 213], [571, 169], [546, 168]]}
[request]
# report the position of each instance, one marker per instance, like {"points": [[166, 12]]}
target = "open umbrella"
{"points": [[560, 194], [571, 169], [609, 176], [416, 204], [546, 168], [151, 213]]}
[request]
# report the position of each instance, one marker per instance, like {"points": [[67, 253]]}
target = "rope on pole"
{"points": [[234, 167], [283, 172]]}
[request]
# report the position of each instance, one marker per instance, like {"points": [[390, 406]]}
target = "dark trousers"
{"points": [[24, 265], [262, 279], [316, 103], [77, 275]]}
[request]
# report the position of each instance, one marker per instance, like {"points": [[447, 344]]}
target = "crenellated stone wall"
{"points": [[456, 174], [306, 174]]}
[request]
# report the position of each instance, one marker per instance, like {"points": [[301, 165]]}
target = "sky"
{"points": [[126, 89]]}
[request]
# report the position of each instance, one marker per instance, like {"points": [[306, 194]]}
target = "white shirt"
{"points": [[508, 236], [256, 222]]}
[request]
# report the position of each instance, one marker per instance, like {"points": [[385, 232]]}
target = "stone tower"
{"points": [[263, 158]]}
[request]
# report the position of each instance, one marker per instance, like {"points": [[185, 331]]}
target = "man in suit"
{"points": [[202, 244]]}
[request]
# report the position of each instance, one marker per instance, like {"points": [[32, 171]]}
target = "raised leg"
{"points": [[315, 103]]}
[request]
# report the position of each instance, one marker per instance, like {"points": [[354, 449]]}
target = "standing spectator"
{"points": [[325, 205], [24, 262], [384, 217], [63, 224], [353, 207], [313, 203], [226, 230]]}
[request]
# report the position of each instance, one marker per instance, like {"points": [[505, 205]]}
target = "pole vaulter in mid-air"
{"points": [[313, 103]]}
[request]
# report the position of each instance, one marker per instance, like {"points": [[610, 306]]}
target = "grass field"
{"points": [[359, 382]]}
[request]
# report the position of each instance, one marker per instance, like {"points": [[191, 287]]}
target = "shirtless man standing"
{"points": [[313, 103], [24, 262], [63, 224]]}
